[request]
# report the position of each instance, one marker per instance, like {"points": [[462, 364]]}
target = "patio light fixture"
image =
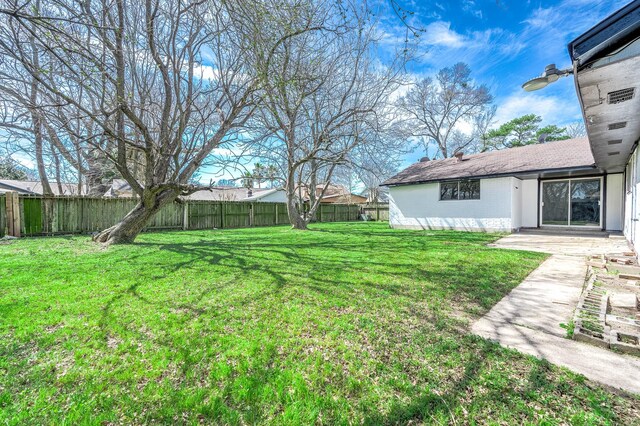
{"points": [[551, 74]]}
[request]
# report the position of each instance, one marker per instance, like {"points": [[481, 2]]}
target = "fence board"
{"points": [[376, 211], [264, 214], [73, 214], [204, 215], [237, 215], [3, 216], [32, 214]]}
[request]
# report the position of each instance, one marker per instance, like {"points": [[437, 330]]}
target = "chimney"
{"points": [[458, 156], [542, 138], [249, 192], [424, 159]]}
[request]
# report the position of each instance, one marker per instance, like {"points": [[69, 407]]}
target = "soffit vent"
{"points": [[618, 125], [615, 142], [614, 153], [623, 95]]}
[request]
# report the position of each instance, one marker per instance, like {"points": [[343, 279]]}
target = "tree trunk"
{"points": [[296, 218], [126, 231]]}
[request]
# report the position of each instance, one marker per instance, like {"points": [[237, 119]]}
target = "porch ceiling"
{"points": [[613, 128], [606, 60]]}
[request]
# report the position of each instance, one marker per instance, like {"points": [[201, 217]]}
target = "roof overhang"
{"points": [[606, 62], [567, 172]]}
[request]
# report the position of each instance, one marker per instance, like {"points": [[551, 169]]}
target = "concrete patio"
{"points": [[529, 318]]}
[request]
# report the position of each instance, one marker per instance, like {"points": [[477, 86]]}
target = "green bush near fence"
{"points": [[81, 215]]}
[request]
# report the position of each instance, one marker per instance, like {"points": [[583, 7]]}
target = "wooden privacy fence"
{"points": [[38, 215], [378, 211]]}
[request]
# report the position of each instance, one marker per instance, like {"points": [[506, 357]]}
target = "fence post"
{"points": [[335, 212], [13, 214], [276, 221], [377, 213], [222, 204], [185, 216], [250, 214]]}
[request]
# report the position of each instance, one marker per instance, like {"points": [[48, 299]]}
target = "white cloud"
{"points": [[553, 109], [206, 72], [470, 6], [439, 33], [24, 159]]}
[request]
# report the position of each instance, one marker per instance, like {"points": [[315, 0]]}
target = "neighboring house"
{"points": [[591, 183], [381, 196], [334, 194], [223, 193], [120, 188], [35, 187], [268, 196]]}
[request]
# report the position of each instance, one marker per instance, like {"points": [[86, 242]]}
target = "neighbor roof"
{"points": [[559, 155], [35, 187]]}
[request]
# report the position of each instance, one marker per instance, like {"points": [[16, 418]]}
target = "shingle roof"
{"points": [[566, 154], [35, 187]]}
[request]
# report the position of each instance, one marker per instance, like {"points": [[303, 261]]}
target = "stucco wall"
{"points": [[614, 202], [420, 207]]}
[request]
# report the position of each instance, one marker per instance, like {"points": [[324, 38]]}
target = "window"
{"points": [[449, 191], [460, 190]]}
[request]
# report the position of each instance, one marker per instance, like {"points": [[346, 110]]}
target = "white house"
{"points": [[590, 183], [554, 184]]}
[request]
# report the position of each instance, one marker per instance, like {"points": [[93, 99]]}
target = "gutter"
{"points": [[612, 32]]}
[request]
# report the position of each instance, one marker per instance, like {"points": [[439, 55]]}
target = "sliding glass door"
{"points": [[571, 202]]}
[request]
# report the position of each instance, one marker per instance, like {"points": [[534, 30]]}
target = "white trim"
{"points": [[569, 225]]}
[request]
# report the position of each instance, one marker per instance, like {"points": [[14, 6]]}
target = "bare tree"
{"points": [[377, 159], [575, 130], [437, 110], [322, 92], [30, 130], [164, 82]]}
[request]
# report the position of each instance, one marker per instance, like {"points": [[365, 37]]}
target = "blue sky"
{"points": [[506, 42]]}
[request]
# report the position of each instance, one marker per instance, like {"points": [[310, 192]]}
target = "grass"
{"points": [[346, 323]]}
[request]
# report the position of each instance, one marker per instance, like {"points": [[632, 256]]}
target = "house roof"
{"points": [[261, 193], [223, 193], [35, 187], [549, 156]]}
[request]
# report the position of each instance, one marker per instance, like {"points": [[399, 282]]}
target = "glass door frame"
{"points": [[569, 225]]}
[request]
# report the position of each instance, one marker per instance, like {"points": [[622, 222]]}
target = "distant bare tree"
{"points": [[575, 130], [322, 92], [436, 109]]}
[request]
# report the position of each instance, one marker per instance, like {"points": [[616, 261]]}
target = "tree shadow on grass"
{"points": [[319, 266], [462, 396]]}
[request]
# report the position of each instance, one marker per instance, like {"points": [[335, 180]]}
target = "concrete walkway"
{"points": [[528, 318]]}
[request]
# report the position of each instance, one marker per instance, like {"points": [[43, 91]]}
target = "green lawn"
{"points": [[346, 323]]}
